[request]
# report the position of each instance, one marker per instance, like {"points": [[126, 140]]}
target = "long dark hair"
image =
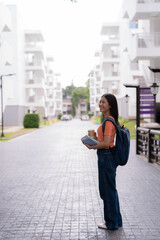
{"points": [[114, 106]]}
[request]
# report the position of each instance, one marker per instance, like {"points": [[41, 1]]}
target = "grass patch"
{"points": [[96, 119], [48, 122], [131, 126], [8, 136]]}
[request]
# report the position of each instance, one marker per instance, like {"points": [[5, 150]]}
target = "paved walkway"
{"points": [[11, 129], [48, 189]]}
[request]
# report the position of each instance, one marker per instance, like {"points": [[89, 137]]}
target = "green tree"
{"points": [[88, 95], [76, 93], [68, 91], [75, 101]]}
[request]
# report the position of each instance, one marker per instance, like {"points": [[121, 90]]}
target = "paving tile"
{"points": [[49, 189]]}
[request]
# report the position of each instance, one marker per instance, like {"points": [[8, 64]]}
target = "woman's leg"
{"points": [[108, 192], [119, 213]]}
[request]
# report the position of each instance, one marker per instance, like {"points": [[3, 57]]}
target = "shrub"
{"points": [[90, 115], [59, 116], [31, 120]]}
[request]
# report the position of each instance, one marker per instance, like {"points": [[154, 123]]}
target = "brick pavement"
{"points": [[48, 189]]}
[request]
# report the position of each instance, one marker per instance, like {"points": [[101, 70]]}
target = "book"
{"points": [[89, 140]]}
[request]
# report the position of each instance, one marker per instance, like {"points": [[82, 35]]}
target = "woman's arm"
{"points": [[101, 145]]}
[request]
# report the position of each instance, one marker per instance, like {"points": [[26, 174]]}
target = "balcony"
{"points": [[111, 78], [35, 84], [141, 9], [136, 73], [37, 65], [145, 46], [57, 95], [111, 59], [110, 29], [58, 105], [33, 101], [49, 97], [110, 41], [110, 83], [35, 50]]}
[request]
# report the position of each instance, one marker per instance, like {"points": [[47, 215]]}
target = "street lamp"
{"points": [[154, 87], [137, 110], [1, 86], [127, 98]]}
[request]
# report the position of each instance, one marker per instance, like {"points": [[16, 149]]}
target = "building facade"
{"points": [[128, 48], [35, 86], [140, 48], [35, 72], [14, 96]]}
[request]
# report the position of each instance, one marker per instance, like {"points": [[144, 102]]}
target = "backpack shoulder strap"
{"points": [[108, 119]]}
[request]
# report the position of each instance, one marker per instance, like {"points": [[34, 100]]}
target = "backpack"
{"points": [[122, 146]]}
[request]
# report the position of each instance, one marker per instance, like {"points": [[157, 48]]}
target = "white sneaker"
{"points": [[102, 225]]}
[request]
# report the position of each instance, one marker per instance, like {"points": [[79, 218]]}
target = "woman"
{"points": [[106, 164]]}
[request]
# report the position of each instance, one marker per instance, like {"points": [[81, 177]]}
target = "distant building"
{"points": [[95, 89], [36, 86], [35, 72], [67, 106], [80, 110]]}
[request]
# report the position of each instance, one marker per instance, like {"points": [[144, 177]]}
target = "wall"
{"points": [[13, 115]]}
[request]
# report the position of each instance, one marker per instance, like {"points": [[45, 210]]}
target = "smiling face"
{"points": [[104, 106]]}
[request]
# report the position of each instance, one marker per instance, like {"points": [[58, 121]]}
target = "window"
{"points": [[83, 105]]}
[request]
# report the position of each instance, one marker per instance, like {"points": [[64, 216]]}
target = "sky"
{"points": [[71, 32]]}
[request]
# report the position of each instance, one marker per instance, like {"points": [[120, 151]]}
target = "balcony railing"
{"points": [[110, 37], [148, 144], [149, 40], [35, 81], [148, 1], [35, 100], [37, 62]]}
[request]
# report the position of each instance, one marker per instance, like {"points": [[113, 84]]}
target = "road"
{"points": [[49, 189]]}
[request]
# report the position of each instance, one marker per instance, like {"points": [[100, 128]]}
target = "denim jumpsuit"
{"points": [[107, 188]]}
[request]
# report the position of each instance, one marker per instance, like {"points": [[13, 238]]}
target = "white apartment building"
{"points": [[110, 58], [43, 89], [5, 28], [128, 48], [49, 90], [95, 89], [35, 72], [105, 77], [30, 89], [140, 45], [14, 97], [6, 60], [58, 94]]}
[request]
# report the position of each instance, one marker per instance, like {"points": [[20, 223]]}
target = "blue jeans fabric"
{"points": [[107, 188]]}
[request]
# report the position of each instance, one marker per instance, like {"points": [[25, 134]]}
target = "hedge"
{"points": [[31, 120]]}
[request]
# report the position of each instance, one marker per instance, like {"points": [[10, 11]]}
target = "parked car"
{"points": [[70, 117], [84, 117], [65, 118]]}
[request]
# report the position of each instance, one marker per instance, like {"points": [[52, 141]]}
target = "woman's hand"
{"points": [[102, 145], [88, 146]]}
